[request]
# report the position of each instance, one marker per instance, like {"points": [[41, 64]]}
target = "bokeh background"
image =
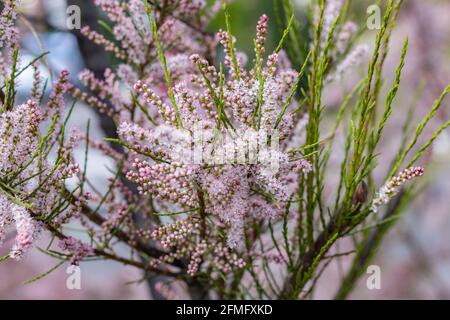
{"points": [[414, 257]]}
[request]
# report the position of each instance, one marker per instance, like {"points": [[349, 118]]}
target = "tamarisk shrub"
{"points": [[220, 163]]}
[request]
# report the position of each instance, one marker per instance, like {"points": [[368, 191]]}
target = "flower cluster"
{"points": [[30, 184], [187, 237], [77, 250], [135, 47], [212, 105]]}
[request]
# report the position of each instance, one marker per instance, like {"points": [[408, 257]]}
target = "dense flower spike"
{"points": [[343, 40], [351, 61], [9, 35], [56, 101], [391, 188], [261, 33], [229, 53], [26, 231], [19, 136], [9, 38], [101, 40], [330, 14]]}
